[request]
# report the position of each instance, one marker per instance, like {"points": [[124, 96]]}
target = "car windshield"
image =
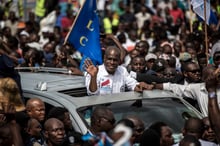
{"points": [[169, 110]]}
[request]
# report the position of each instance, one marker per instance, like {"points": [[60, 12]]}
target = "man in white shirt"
{"points": [[111, 77], [195, 91]]}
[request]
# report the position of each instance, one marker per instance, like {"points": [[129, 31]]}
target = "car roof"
{"points": [[55, 82]]}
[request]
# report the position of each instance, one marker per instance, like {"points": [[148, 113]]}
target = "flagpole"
{"points": [[206, 36], [190, 21]]}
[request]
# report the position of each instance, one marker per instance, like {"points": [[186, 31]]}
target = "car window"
{"points": [[173, 112]]}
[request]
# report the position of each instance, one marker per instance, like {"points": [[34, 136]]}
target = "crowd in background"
{"points": [[160, 43], [39, 41]]}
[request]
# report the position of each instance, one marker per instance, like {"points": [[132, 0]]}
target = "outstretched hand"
{"points": [[90, 68], [143, 86]]}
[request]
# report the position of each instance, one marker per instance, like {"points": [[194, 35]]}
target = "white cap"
{"points": [[150, 56], [35, 45]]}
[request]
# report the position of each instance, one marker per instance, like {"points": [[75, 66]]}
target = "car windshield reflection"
{"points": [[169, 110]]}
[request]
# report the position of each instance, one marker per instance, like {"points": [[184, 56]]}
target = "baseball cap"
{"points": [[185, 56], [150, 56]]}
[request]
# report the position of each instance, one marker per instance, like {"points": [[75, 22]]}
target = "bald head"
{"points": [[36, 109], [111, 49], [32, 102], [194, 126], [48, 125], [54, 132]]}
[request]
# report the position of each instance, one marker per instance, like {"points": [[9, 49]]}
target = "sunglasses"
{"points": [[112, 121]]}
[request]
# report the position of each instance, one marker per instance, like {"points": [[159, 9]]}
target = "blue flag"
{"points": [[84, 35]]}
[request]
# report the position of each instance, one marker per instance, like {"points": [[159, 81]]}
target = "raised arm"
{"points": [[213, 108], [93, 71]]}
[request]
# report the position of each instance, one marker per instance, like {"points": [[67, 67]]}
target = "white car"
{"points": [[69, 91]]}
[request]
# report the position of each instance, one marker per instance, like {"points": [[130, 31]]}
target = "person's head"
{"points": [[132, 34], [6, 138], [159, 66], [34, 37], [164, 132], [150, 138], [167, 49], [34, 128], [138, 64], [189, 140], [193, 126], [111, 59], [192, 51], [13, 43], [33, 56], [6, 31], [35, 108], [54, 132], [134, 53], [216, 58], [138, 127], [208, 133], [10, 93], [23, 40], [150, 59], [102, 119], [62, 114], [191, 72], [174, 4], [121, 38], [202, 60], [143, 47], [48, 47], [169, 72]]}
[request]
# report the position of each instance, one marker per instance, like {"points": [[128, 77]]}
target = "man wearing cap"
{"points": [[150, 59]]}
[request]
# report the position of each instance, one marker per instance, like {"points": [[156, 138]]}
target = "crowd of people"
{"points": [[146, 45]]}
